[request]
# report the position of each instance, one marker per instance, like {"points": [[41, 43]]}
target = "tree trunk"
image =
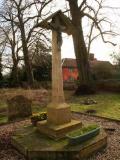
{"points": [[79, 44], [1, 76], [82, 57], [14, 72], [14, 75], [28, 67]]}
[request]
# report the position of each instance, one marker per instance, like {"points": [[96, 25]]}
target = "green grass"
{"points": [[37, 108], [108, 105], [3, 108], [83, 130], [3, 105], [3, 119]]}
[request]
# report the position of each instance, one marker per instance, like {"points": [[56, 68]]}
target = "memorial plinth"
{"points": [[59, 120], [57, 131], [38, 145], [58, 115]]}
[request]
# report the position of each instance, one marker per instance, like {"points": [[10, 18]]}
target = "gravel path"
{"points": [[7, 152], [112, 152]]}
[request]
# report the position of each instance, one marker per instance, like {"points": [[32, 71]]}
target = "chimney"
{"points": [[91, 57]]}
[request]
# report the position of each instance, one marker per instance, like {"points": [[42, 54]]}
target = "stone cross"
{"points": [[58, 112], [59, 120], [57, 78]]}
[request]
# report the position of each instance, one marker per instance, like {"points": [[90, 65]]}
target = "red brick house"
{"points": [[69, 67]]}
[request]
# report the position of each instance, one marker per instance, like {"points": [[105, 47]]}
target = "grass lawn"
{"points": [[108, 104], [3, 108], [37, 108], [3, 119]]}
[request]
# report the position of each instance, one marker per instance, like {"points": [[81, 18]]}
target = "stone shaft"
{"points": [[57, 78]]}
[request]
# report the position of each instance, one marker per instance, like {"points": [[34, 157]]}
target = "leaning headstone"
{"points": [[19, 107]]}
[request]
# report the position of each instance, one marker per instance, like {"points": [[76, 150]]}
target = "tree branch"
{"points": [[97, 25], [82, 4]]}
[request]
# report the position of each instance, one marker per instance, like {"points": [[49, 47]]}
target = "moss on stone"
{"points": [[37, 146], [83, 130], [27, 135]]}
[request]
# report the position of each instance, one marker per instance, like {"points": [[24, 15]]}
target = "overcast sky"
{"points": [[102, 51]]}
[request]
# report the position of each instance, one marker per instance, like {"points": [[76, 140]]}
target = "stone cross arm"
{"points": [[64, 25]]}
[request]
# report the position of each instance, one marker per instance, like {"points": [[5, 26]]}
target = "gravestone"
{"points": [[19, 107]]}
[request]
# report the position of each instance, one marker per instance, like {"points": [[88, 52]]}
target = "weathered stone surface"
{"points": [[58, 115], [36, 146], [19, 107], [58, 131], [57, 78]]}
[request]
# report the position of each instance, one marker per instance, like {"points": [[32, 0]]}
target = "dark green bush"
{"points": [[85, 89], [103, 70], [109, 85]]}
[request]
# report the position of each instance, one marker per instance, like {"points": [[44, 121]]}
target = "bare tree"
{"points": [[11, 41], [2, 48], [91, 36], [78, 12], [25, 20]]}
